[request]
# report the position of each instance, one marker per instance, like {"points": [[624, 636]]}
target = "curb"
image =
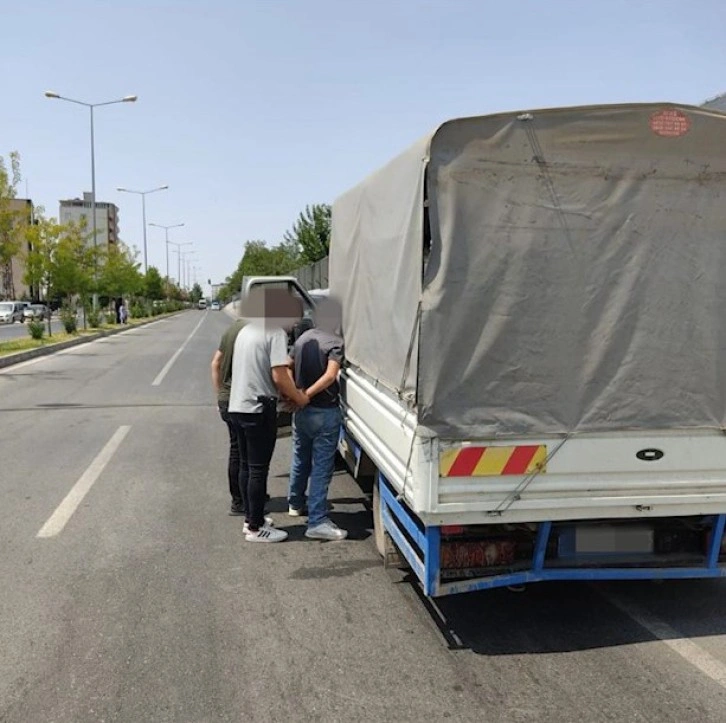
{"points": [[21, 356]]}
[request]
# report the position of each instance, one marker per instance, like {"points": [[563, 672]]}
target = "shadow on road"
{"points": [[566, 617]]}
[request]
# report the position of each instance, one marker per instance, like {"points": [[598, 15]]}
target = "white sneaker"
{"points": [[326, 531], [297, 511], [266, 534], [269, 522]]}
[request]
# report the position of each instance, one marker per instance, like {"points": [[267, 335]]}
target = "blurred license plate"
{"points": [[604, 539]]}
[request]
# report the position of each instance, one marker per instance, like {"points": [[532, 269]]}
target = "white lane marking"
{"points": [[57, 521], [160, 376], [688, 650]]}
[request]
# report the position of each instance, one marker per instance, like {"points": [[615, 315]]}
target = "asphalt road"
{"points": [[141, 601], [20, 331]]}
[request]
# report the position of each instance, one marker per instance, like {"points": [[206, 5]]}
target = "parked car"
{"points": [[215, 306], [36, 312], [11, 311]]}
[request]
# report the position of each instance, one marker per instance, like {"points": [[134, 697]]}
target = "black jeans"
{"points": [[256, 437], [233, 460]]}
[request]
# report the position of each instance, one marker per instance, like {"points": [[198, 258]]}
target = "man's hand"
{"points": [[286, 387], [288, 405]]}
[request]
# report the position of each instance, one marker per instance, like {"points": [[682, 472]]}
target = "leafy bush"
{"points": [[94, 318], [36, 329], [68, 319], [139, 311]]}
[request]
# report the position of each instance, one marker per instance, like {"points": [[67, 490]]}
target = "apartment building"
{"points": [[77, 209]]}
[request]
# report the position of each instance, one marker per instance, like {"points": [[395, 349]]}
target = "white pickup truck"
{"points": [[534, 310]]}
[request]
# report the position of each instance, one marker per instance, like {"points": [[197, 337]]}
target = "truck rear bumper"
{"points": [[423, 547]]}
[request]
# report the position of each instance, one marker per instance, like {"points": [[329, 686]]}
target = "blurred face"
{"points": [[328, 315], [276, 308]]}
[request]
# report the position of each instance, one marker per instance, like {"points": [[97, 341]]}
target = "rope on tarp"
{"points": [[406, 369], [409, 355], [519, 490], [528, 121]]}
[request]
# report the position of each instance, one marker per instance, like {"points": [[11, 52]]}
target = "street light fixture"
{"points": [[166, 231], [91, 106], [143, 195]]}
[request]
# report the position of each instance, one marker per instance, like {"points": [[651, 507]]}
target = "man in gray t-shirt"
{"points": [[257, 351], [259, 375]]}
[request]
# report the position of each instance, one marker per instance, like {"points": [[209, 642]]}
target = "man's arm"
{"points": [[216, 368], [282, 378], [329, 376]]}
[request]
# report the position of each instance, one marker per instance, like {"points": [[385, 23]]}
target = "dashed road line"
{"points": [[57, 521], [160, 376]]}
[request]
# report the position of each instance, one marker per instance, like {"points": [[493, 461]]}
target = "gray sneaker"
{"points": [[326, 531]]}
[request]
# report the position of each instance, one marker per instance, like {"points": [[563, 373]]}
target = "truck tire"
{"points": [[379, 533]]}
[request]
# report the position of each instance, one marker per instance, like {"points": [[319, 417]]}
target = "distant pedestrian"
{"points": [[317, 357], [260, 375], [123, 314]]}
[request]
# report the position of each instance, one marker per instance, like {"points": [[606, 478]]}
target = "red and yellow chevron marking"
{"points": [[492, 461]]}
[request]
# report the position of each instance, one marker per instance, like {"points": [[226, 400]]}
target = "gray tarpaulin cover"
{"points": [[576, 280]]}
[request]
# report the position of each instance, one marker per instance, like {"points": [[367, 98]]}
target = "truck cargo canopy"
{"points": [[576, 280]]}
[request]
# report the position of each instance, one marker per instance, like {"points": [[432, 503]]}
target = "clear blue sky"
{"points": [[249, 110]]}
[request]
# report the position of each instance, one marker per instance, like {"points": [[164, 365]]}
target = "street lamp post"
{"points": [[166, 231], [185, 267], [178, 257], [143, 195], [91, 106]]}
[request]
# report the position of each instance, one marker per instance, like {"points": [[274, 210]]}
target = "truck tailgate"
{"points": [[615, 475]]}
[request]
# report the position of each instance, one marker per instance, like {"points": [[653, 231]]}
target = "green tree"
{"points": [[174, 291], [310, 234], [119, 273], [196, 293], [43, 238], [225, 294], [74, 265], [153, 284], [259, 259], [11, 230], [262, 260]]}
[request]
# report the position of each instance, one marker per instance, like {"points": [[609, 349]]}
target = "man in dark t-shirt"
{"points": [[316, 359]]}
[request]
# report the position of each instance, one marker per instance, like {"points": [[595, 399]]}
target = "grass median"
{"points": [[14, 346]]}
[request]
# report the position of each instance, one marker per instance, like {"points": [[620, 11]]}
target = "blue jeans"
{"points": [[315, 432]]}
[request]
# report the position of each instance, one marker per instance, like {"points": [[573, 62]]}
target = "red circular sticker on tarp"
{"points": [[670, 123]]}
